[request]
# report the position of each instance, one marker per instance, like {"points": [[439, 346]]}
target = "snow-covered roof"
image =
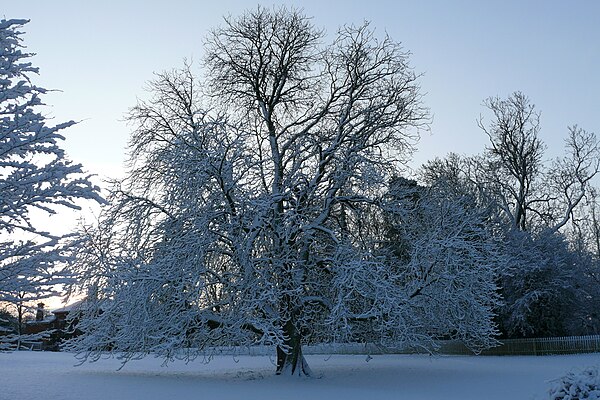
{"points": [[69, 307], [47, 319]]}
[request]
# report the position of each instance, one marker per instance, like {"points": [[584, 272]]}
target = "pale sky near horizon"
{"points": [[99, 54]]}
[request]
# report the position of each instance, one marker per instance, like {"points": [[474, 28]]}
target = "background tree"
{"points": [[254, 222], [569, 179], [8, 323], [543, 214], [446, 258], [531, 194], [542, 285], [35, 176], [515, 156]]}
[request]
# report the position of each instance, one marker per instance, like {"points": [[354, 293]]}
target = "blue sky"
{"points": [[100, 54]]}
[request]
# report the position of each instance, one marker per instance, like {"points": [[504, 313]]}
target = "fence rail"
{"points": [[534, 346], [537, 346]]}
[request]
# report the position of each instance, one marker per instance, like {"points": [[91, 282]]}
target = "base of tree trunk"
{"points": [[292, 363]]}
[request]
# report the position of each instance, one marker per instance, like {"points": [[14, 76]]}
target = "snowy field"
{"points": [[50, 376]]}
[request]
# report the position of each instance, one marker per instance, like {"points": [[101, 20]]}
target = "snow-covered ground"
{"points": [[49, 376]]}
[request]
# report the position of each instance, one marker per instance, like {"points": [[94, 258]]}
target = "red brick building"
{"points": [[55, 323]]}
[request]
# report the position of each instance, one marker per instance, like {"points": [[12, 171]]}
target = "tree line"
{"points": [[266, 202]]}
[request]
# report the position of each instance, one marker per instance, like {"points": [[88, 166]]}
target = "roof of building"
{"points": [[69, 307]]}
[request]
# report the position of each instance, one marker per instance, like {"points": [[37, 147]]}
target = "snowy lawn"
{"points": [[49, 376]]}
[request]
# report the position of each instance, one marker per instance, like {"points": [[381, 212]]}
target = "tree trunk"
{"points": [[19, 325], [290, 360]]}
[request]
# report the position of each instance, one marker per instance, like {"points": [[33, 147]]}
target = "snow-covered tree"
{"points": [[446, 257], [250, 211], [542, 285], [542, 211], [35, 177]]}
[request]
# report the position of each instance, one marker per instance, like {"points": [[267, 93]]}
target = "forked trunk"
{"points": [[292, 362]]}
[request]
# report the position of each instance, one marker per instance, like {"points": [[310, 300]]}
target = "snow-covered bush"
{"points": [[577, 385]]}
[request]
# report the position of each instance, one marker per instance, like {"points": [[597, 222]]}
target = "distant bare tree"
{"points": [[514, 156], [530, 193], [569, 180]]}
